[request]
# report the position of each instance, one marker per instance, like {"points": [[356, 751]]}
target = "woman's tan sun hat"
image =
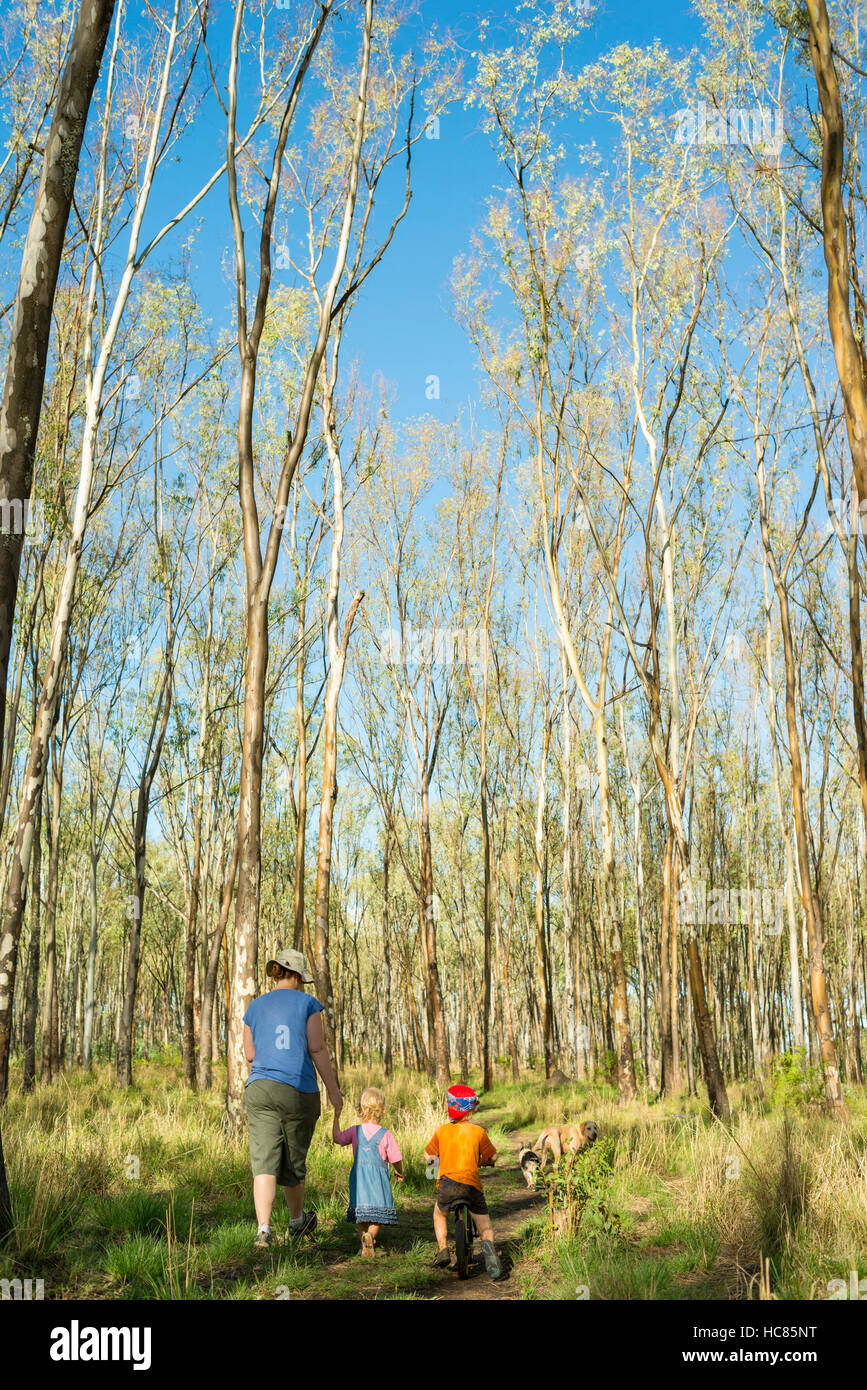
{"points": [[292, 960]]}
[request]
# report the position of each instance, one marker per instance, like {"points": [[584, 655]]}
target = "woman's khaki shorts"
{"points": [[280, 1121]]}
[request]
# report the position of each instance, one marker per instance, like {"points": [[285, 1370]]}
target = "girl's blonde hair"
{"points": [[372, 1104]]}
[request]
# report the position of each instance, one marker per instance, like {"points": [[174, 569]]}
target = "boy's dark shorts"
{"points": [[450, 1193], [281, 1122]]}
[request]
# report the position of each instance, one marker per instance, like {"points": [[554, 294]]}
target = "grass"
{"points": [[140, 1194]]}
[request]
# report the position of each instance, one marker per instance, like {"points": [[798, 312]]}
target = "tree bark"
{"points": [[159, 725], [31, 1009], [836, 245], [209, 988], [31, 327]]}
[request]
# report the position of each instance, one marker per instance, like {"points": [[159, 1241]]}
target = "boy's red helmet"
{"points": [[461, 1100]]}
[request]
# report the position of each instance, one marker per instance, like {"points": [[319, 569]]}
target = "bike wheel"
{"points": [[462, 1251]]}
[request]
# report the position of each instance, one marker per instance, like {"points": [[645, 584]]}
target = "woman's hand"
{"points": [[337, 1102]]}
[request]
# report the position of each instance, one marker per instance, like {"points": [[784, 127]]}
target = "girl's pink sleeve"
{"points": [[345, 1136], [388, 1149]]}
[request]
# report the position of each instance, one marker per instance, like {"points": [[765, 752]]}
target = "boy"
{"points": [[462, 1148]]}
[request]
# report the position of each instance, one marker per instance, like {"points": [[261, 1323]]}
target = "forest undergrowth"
{"points": [[141, 1194]]}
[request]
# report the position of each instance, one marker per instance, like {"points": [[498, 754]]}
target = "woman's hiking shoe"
{"points": [[443, 1259], [263, 1239], [492, 1260], [305, 1223]]}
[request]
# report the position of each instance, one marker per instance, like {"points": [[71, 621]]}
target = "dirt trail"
{"points": [[511, 1204]]}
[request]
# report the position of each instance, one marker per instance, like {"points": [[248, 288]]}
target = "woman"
{"points": [[283, 1039]]}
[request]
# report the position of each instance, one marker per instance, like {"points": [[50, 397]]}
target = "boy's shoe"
{"points": [[263, 1240], [443, 1259], [308, 1223], [492, 1260]]}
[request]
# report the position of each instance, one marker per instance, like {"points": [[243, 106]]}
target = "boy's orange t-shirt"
{"points": [[460, 1147]]}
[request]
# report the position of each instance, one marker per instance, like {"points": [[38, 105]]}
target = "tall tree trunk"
{"points": [[31, 1010], [337, 664], [623, 1037], [31, 326], [846, 351], [50, 1062], [326, 817], [301, 736], [90, 985], [439, 1040], [209, 988], [809, 897], [260, 574], [386, 948], [713, 1076], [669, 1079], [22, 842], [153, 753], [188, 1041], [542, 961], [487, 1059]]}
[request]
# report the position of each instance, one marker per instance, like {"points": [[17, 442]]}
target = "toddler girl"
{"points": [[371, 1203]]}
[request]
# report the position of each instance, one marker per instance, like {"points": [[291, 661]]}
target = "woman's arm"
{"points": [[249, 1045], [318, 1050]]}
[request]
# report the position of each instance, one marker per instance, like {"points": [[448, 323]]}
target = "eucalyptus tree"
{"points": [[539, 237], [408, 620], [31, 328], [162, 119], [352, 143]]}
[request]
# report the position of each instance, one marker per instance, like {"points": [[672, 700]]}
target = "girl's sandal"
{"points": [[367, 1246]]}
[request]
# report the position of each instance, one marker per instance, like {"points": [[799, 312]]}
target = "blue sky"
{"points": [[401, 325]]}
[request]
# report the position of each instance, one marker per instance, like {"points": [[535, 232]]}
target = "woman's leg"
{"points": [[264, 1192], [300, 1112], [266, 1146], [294, 1200]]}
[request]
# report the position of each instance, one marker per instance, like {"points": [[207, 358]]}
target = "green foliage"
{"points": [[794, 1084], [579, 1187]]}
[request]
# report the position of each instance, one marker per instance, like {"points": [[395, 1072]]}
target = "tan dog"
{"points": [[560, 1139], [556, 1140]]}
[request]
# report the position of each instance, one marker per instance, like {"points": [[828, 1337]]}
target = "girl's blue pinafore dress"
{"points": [[370, 1196]]}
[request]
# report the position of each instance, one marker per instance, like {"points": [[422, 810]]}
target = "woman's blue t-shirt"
{"points": [[278, 1022]]}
